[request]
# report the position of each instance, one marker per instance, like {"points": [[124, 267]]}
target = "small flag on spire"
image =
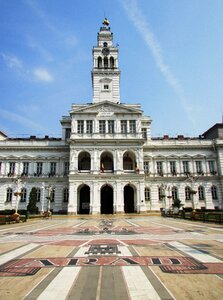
{"points": [[106, 22]]}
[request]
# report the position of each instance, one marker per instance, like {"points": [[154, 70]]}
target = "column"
{"points": [[72, 205], [96, 201]]}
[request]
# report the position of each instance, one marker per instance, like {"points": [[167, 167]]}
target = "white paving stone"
{"points": [[202, 257], [139, 286], [61, 284]]}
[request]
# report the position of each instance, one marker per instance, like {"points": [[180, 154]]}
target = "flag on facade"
{"points": [[102, 168], [106, 22]]}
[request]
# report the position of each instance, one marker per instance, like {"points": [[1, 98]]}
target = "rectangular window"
{"points": [[146, 167], [89, 125], [132, 126], [66, 168], [25, 171], [123, 126], [173, 169], [111, 126], [67, 133], [106, 86], [186, 169], [102, 126], [11, 168], [211, 166], [198, 167], [159, 165], [147, 194], [53, 166], [80, 126], [39, 168], [0, 167], [144, 133]]}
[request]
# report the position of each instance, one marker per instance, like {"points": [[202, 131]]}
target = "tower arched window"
{"points": [[105, 62], [99, 62], [112, 62]]}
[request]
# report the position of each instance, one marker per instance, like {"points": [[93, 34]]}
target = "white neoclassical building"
{"points": [[107, 161]]}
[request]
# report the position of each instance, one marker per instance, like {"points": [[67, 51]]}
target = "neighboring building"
{"points": [[106, 161]]}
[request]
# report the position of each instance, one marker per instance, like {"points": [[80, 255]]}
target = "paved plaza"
{"points": [[111, 257]]}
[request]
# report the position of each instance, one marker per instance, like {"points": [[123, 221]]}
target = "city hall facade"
{"points": [[106, 161]]}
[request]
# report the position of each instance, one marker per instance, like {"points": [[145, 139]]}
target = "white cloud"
{"points": [[139, 20], [12, 61], [43, 74]]}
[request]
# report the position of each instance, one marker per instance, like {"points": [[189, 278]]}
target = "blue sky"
{"points": [[170, 56]]}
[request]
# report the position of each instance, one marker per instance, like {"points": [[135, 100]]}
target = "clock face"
{"points": [[105, 51]]}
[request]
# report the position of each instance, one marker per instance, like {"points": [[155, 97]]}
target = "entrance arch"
{"points": [[129, 205], [84, 200], [107, 200]]}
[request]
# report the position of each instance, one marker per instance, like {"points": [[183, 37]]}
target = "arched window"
{"points": [[105, 62], [9, 195], [84, 161], [65, 195], [187, 193], [107, 162], [112, 62], [105, 44], [38, 194], [99, 62], [174, 193], [147, 194], [201, 194], [23, 195], [214, 192], [129, 161]]}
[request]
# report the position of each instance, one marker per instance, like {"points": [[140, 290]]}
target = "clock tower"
{"points": [[105, 73]]}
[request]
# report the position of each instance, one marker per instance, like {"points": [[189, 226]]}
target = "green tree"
{"points": [[31, 207], [177, 203]]}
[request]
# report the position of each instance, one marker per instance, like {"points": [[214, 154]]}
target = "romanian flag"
{"points": [[106, 22], [102, 168]]}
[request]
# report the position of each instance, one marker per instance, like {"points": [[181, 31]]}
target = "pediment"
{"points": [[106, 107]]}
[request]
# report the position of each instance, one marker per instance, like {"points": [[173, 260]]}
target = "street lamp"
{"points": [[18, 181], [43, 197], [163, 193], [192, 180], [49, 197]]}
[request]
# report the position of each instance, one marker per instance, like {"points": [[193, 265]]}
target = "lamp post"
{"points": [[192, 180], [43, 197], [18, 181], [163, 194], [169, 197], [49, 197]]}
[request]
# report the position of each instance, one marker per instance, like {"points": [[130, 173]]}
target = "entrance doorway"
{"points": [[84, 207], [129, 206], [106, 200]]}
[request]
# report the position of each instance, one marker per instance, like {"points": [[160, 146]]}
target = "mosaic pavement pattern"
{"points": [[111, 257]]}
